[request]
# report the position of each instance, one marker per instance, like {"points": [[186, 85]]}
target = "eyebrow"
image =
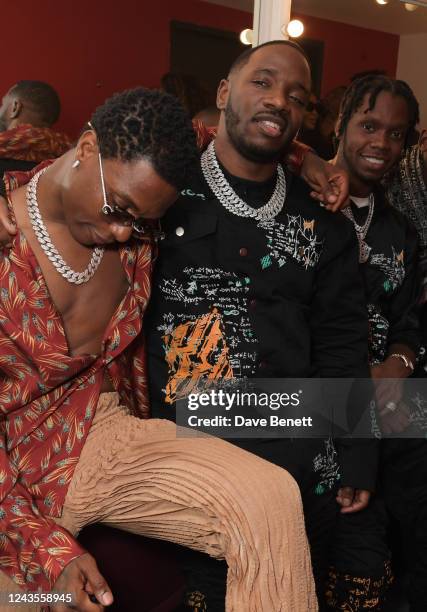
{"points": [[365, 116], [273, 72], [124, 198]]}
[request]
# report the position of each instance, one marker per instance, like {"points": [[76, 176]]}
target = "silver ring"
{"points": [[391, 406]]}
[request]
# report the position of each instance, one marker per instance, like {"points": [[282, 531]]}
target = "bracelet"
{"points": [[408, 363]]}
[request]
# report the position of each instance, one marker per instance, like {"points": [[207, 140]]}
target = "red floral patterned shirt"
{"points": [[47, 402], [31, 143]]}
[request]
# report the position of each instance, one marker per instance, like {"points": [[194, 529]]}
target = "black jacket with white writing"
{"points": [[392, 279], [236, 297]]}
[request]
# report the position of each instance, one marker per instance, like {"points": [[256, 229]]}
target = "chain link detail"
{"points": [[47, 245], [228, 197]]}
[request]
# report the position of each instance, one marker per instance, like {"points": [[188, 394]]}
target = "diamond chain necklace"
{"points": [[47, 245], [228, 197], [362, 230]]}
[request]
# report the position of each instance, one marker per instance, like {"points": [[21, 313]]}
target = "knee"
{"points": [[273, 491], [279, 483]]}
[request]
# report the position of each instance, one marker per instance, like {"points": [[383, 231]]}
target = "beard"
{"points": [[249, 150]]}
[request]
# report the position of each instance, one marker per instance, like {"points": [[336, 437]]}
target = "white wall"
{"points": [[412, 67]]}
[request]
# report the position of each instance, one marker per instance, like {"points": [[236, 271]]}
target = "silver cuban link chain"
{"points": [[223, 191], [362, 230], [48, 247]]}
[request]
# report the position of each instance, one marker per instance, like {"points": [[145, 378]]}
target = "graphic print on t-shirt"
{"points": [[393, 268], [195, 349], [217, 343], [296, 239]]}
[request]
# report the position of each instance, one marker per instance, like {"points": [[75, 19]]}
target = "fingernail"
{"points": [[106, 599]]}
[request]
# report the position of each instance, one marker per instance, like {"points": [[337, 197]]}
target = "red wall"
{"points": [[88, 49], [349, 49]]}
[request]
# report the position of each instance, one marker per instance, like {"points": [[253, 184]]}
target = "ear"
{"points": [[87, 145], [222, 94], [16, 107], [337, 127]]}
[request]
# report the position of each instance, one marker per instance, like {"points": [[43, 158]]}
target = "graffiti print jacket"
{"points": [[392, 279], [234, 297]]}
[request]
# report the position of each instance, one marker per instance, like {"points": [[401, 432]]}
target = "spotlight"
{"points": [[246, 36], [411, 5], [381, 1], [295, 28]]}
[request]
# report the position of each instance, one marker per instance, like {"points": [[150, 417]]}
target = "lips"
{"points": [[101, 239], [271, 126], [379, 163]]}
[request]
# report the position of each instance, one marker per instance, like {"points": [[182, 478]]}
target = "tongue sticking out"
{"points": [[270, 128]]}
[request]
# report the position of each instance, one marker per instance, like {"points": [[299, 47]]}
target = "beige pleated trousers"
{"points": [[145, 477]]}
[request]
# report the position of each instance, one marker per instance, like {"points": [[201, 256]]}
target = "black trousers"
{"points": [[360, 573], [297, 456], [398, 514], [404, 485], [359, 545]]}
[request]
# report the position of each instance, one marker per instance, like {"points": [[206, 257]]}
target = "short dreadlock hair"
{"points": [[41, 97], [374, 84], [244, 57], [147, 124]]}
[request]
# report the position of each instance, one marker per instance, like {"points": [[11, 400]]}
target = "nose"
{"points": [[381, 140], [277, 99], [121, 233]]}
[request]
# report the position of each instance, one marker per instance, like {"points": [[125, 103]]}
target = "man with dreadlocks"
{"points": [[72, 450], [407, 191], [376, 116]]}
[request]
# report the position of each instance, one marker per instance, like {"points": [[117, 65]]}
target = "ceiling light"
{"points": [[414, 4], [381, 1], [295, 28], [410, 7], [246, 36]]}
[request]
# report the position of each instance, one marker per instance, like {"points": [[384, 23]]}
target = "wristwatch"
{"points": [[408, 363]]}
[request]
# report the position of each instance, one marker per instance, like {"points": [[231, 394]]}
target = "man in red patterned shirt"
{"points": [[72, 451], [27, 113]]}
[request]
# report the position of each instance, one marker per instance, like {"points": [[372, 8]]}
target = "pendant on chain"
{"points": [[364, 251]]}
